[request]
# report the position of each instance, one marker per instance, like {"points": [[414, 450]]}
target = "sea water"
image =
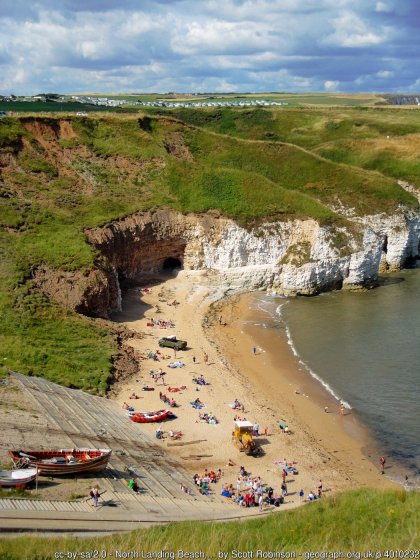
{"points": [[364, 348]]}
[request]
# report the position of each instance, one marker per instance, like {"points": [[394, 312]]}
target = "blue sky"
{"points": [[213, 45]]}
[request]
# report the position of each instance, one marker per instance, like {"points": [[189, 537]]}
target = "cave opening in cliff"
{"points": [[385, 244], [171, 263]]}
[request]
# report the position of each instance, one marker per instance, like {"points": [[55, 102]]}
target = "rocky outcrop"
{"points": [[94, 294], [293, 257]]}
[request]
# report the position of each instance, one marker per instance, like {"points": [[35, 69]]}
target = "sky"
{"points": [[123, 46]]}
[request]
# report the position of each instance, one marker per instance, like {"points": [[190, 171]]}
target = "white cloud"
{"points": [[383, 7], [351, 31], [385, 74], [331, 85]]}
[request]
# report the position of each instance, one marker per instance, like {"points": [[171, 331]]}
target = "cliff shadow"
{"points": [[133, 307], [134, 292]]}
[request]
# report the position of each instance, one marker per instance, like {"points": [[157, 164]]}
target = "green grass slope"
{"points": [[356, 521], [382, 139], [59, 176]]}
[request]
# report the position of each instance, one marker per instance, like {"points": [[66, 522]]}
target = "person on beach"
{"points": [[283, 490], [301, 494], [382, 460], [320, 489], [206, 359], [342, 409], [254, 350]]}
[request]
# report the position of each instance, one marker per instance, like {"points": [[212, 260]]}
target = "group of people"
{"points": [[161, 323], [157, 375], [251, 492], [207, 478], [199, 380], [167, 400], [208, 418]]}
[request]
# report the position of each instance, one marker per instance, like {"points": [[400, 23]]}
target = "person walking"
{"points": [[261, 502], [94, 494], [206, 359], [382, 461], [254, 350]]}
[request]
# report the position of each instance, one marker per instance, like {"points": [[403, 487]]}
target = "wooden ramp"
{"points": [[97, 422]]}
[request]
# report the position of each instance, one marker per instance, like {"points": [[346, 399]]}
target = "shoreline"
{"points": [[318, 442], [294, 380], [343, 438]]}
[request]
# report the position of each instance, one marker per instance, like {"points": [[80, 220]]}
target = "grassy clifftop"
{"points": [[380, 139], [60, 175], [353, 522]]}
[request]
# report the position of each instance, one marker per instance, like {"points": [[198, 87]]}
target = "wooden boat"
{"points": [[146, 417], [62, 461], [17, 479]]}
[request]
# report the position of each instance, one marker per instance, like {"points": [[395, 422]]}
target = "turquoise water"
{"points": [[364, 347]]}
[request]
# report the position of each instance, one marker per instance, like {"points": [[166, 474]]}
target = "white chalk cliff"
{"points": [[292, 257]]}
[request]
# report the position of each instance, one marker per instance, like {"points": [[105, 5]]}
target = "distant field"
{"points": [[291, 99], [51, 107], [330, 100]]}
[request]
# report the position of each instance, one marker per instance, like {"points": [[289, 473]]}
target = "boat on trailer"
{"points": [[146, 417], [17, 479], [62, 461]]}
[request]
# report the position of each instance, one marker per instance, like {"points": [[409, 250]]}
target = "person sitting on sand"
{"points": [[311, 496], [132, 484], [133, 396]]}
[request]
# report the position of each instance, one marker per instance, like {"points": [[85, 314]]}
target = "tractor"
{"points": [[242, 438]]}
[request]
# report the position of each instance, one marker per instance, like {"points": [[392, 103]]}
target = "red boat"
{"points": [[145, 417], [62, 461]]}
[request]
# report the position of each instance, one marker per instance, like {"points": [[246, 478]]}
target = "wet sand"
{"points": [[300, 399], [270, 385]]}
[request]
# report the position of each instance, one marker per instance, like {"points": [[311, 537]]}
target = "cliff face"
{"points": [[294, 257]]}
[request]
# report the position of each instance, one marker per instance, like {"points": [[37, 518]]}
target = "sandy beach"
{"points": [[270, 385]]}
